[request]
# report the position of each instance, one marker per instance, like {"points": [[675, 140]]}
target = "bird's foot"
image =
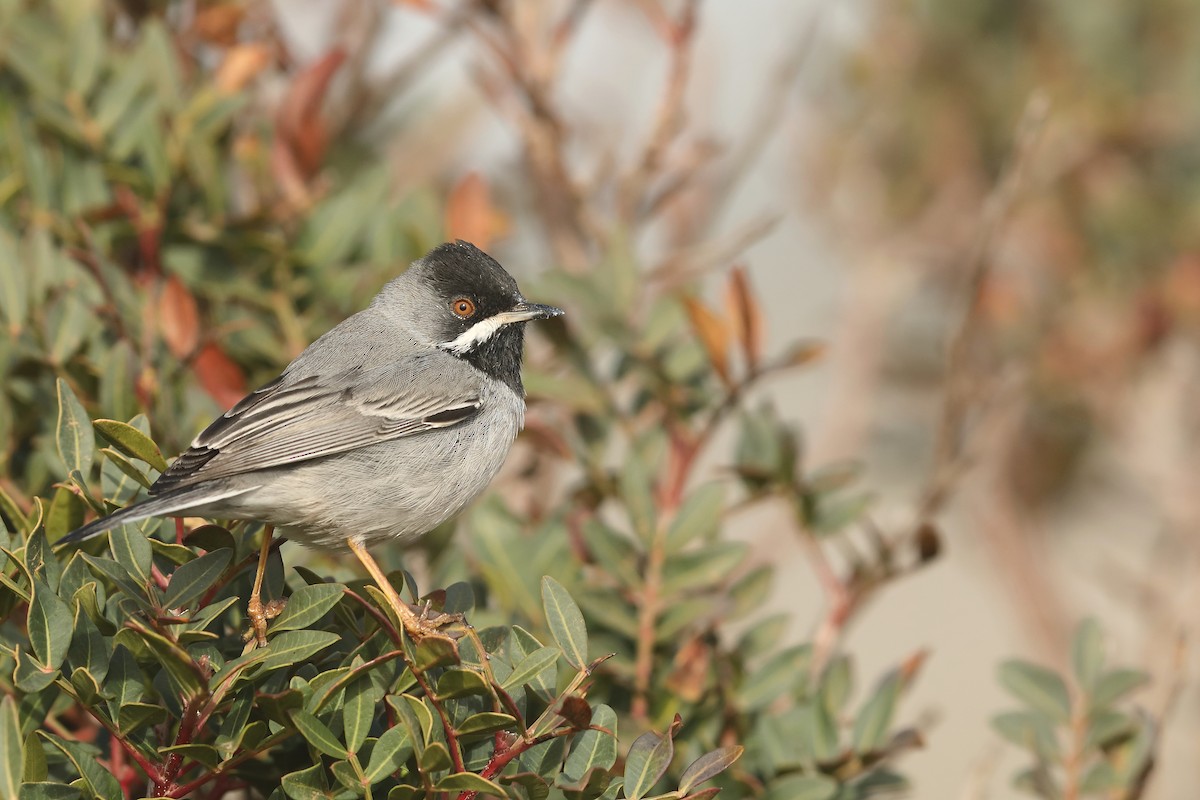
{"points": [[424, 622], [260, 615]]}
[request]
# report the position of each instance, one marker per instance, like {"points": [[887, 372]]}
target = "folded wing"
{"points": [[288, 421]]}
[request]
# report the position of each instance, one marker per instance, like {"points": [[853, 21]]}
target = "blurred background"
{"points": [[987, 211]]}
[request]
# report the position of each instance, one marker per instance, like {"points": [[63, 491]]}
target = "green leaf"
{"points": [[97, 781], [875, 717], [196, 577], [318, 734], [460, 683], [74, 438], [131, 442], [12, 755], [205, 754], [41, 561], [184, 673], [389, 754], [125, 466], [469, 782], [637, 490], [699, 517], [802, 787], [307, 605], [565, 621], [835, 684], [132, 551], [648, 760], [1038, 688], [708, 766], [780, 675], [34, 766], [50, 625], [49, 791], [704, 567], [820, 730], [1105, 726], [292, 646], [13, 513], [434, 758], [88, 648], [65, 514], [594, 749], [358, 711], [306, 784], [134, 717], [1087, 654], [30, 675], [1029, 730], [530, 667], [1112, 686], [1100, 778], [486, 722]]}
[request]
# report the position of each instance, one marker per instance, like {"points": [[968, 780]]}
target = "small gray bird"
{"points": [[382, 429]]}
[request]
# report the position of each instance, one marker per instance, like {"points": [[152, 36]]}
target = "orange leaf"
{"points": [[745, 315], [802, 353], [218, 24], [470, 214], [219, 375], [713, 334], [178, 318], [299, 125], [240, 65]]}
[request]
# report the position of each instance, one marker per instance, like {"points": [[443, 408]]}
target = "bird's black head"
{"points": [[460, 299]]}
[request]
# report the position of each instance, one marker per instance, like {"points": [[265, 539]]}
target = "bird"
{"points": [[382, 429]]}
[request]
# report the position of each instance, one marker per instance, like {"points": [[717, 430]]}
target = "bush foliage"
{"points": [[165, 243]]}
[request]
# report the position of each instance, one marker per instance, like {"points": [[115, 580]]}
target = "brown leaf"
{"points": [[470, 214], [713, 334], [240, 65], [802, 353], [911, 666], [299, 125], [576, 711], [218, 23], [178, 318], [689, 677], [745, 316], [219, 375], [928, 542]]}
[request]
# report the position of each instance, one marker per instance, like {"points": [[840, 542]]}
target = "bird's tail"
{"points": [[163, 505]]}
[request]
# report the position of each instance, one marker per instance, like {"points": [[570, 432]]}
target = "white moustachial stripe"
{"points": [[481, 331]]}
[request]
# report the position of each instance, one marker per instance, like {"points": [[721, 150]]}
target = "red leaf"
{"points": [[219, 375], [178, 318], [470, 214], [299, 126]]}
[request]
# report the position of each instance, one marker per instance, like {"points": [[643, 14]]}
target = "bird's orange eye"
{"points": [[463, 307]]}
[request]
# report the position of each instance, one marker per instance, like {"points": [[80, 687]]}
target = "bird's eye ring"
{"points": [[463, 307]]}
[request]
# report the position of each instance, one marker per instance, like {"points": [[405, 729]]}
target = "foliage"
{"points": [[168, 239], [1084, 743]]}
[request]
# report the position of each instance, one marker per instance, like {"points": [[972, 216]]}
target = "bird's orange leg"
{"points": [[416, 626], [258, 613]]}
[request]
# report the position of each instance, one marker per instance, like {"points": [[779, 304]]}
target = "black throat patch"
{"points": [[500, 356]]}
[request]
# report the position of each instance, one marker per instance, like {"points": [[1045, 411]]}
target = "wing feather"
{"points": [[288, 421]]}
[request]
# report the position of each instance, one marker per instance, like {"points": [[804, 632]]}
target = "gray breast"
{"points": [[395, 490]]}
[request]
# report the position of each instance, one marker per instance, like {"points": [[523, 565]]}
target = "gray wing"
{"points": [[294, 420]]}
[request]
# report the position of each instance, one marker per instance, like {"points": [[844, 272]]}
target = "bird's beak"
{"points": [[524, 312]]}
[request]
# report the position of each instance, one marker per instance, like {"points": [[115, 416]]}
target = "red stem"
{"points": [[165, 784]]}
